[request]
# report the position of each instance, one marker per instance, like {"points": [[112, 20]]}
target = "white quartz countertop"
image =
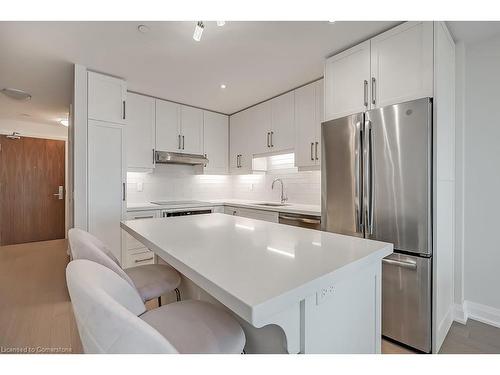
{"points": [[255, 268], [288, 208]]}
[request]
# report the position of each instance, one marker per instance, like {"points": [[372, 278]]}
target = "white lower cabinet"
{"points": [[134, 253], [106, 182], [270, 216]]}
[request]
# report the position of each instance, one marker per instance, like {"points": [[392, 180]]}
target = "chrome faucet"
{"points": [[283, 196]]}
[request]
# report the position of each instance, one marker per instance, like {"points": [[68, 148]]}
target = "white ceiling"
{"points": [[256, 60]]}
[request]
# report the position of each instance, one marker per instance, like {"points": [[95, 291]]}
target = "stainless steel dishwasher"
{"points": [[297, 220]]}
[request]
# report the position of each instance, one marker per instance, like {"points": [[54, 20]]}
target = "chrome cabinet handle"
{"points": [[316, 151], [123, 191], [268, 142], [179, 141], [365, 93], [399, 263], [272, 133], [124, 113], [183, 142], [312, 147], [154, 157], [374, 90], [143, 260], [143, 217]]}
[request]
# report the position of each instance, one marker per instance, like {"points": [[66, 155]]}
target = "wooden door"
{"points": [[31, 172], [347, 77]]}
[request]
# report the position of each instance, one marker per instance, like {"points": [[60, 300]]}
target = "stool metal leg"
{"points": [[178, 294]]}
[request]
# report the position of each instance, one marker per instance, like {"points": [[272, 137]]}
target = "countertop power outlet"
{"points": [[324, 294]]}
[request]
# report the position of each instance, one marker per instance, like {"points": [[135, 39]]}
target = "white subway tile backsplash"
{"points": [[173, 182]]}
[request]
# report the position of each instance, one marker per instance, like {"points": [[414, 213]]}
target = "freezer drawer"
{"points": [[406, 300]]}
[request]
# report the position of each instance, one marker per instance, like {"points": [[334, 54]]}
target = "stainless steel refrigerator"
{"points": [[376, 177]]}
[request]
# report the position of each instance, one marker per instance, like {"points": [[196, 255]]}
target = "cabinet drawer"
{"points": [[141, 259], [270, 216]]}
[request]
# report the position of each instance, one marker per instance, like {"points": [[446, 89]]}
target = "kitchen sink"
{"points": [[272, 204]]}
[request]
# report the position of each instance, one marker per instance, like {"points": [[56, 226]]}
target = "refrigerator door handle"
{"points": [[399, 263], [368, 177], [358, 188]]}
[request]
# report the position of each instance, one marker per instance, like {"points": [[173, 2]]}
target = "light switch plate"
{"points": [[139, 186]]}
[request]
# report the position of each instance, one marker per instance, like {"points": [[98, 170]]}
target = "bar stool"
{"points": [[111, 318], [151, 281]]}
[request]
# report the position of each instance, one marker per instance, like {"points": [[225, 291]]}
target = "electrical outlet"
{"points": [[139, 186], [324, 293]]}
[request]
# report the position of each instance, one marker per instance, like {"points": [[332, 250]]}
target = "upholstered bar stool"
{"points": [[151, 281], [111, 318]]}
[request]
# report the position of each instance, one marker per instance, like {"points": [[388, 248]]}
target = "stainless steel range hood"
{"points": [[165, 157]]}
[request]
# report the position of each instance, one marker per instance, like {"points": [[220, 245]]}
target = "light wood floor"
{"points": [[35, 310], [36, 313]]}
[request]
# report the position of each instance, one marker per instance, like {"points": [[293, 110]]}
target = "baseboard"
{"points": [[443, 328], [482, 313], [460, 313]]}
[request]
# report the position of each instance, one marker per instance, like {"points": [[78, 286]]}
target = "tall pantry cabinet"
{"points": [[97, 146]]}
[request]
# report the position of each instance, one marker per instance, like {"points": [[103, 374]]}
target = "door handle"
{"points": [[183, 142], [124, 113], [154, 157], [60, 192], [316, 151], [179, 141], [358, 187], [268, 142], [312, 147], [399, 263], [365, 93], [374, 91], [368, 178], [123, 192]]}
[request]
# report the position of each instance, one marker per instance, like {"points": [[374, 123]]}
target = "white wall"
{"points": [[482, 173], [33, 129]]}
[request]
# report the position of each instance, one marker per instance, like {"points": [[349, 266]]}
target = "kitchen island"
{"points": [[294, 289]]}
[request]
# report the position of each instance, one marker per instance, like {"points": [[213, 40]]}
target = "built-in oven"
{"points": [[305, 221], [186, 212]]}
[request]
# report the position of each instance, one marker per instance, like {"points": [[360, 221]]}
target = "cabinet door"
{"points": [[191, 130], [259, 128], [240, 159], [282, 122], [106, 98], [167, 126], [216, 141], [106, 183], [347, 77], [319, 104], [140, 131], [402, 64], [305, 112]]}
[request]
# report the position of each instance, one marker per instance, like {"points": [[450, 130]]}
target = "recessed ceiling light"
{"points": [[16, 94], [331, 21], [64, 122], [143, 28], [198, 30], [221, 23], [223, 86]]}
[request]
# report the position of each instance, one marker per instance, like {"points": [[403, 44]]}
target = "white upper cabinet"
{"points": [[140, 131], [402, 64], [259, 133], [282, 130], [308, 118], [168, 137], [106, 98], [191, 130], [347, 77], [240, 133], [216, 142]]}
